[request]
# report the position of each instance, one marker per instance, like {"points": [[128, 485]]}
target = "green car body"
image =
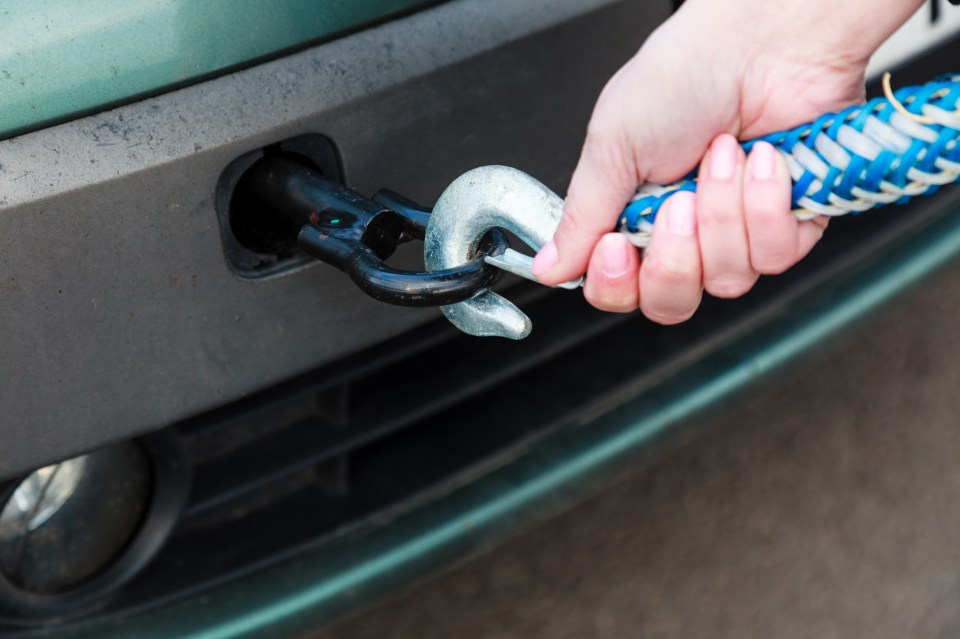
{"points": [[60, 61], [65, 59]]}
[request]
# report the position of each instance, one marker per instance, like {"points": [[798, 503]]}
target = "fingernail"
{"points": [[614, 256], [681, 215], [763, 161], [724, 155], [545, 259]]}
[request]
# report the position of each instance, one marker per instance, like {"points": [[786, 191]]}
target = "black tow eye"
{"points": [[356, 234]]}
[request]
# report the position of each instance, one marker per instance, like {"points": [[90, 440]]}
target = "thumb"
{"points": [[601, 186]]}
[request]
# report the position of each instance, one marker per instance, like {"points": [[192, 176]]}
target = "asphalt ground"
{"points": [[825, 505]]}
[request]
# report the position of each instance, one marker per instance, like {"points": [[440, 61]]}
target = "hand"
{"points": [[704, 79]]}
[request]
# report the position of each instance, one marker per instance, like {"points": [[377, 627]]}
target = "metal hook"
{"points": [[480, 200]]}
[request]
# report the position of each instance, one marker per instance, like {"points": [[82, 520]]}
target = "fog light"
{"points": [[73, 533], [65, 523]]}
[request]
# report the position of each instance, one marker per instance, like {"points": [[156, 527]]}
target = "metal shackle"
{"points": [[480, 200]]}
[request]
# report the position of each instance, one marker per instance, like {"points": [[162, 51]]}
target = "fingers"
{"points": [[612, 277], [777, 240], [671, 276], [727, 270], [774, 234], [600, 187], [737, 226]]}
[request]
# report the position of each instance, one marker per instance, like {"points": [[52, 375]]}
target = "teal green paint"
{"points": [[61, 58], [554, 471]]}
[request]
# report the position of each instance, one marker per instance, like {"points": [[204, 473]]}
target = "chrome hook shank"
{"points": [[482, 199]]}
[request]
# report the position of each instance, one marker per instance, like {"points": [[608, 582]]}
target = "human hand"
{"points": [[715, 72]]}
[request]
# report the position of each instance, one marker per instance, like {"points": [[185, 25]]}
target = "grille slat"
{"points": [[391, 399]]}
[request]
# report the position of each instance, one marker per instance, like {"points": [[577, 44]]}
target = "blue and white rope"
{"points": [[860, 158]]}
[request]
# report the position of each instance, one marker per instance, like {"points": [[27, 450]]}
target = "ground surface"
{"points": [[827, 506]]}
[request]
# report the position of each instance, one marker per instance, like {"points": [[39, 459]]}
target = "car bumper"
{"points": [[578, 460]]}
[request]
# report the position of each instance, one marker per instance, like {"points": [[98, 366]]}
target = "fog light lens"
{"points": [[66, 522]]}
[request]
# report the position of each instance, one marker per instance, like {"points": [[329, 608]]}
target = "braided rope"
{"points": [[860, 158]]}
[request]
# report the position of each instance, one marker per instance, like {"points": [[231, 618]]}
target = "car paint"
{"points": [[61, 58]]}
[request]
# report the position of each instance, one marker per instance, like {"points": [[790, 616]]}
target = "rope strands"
{"points": [[887, 150]]}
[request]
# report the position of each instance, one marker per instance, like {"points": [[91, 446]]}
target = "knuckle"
{"points": [[711, 212], [576, 232], [671, 271], [599, 132], [763, 217], [607, 117], [572, 221], [609, 306], [669, 315], [728, 287], [773, 262], [603, 148], [607, 150], [611, 301], [668, 319]]}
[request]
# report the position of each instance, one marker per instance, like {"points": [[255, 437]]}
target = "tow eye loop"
{"points": [[356, 234]]}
